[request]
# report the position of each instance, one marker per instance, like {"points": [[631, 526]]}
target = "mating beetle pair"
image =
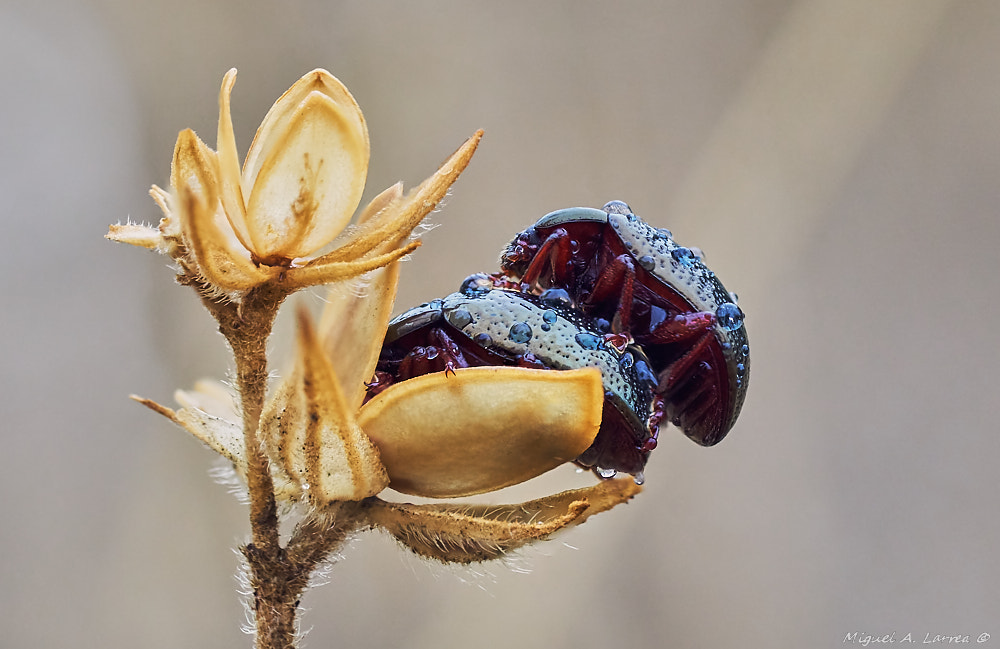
{"points": [[579, 287]]}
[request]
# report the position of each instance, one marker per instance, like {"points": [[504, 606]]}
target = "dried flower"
{"points": [[301, 182]]}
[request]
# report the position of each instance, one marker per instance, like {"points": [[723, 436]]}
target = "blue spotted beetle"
{"points": [[481, 325], [616, 267]]}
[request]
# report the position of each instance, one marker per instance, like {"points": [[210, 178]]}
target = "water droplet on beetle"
{"points": [[558, 297], [697, 253], [639, 478], [683, 255], [550, 316], [626, 361], [664, 233], [546, 326], [520, 332], [459, 318], [647, 262], [602, 325], [589, 341], [729, 316], [745, 349], [617, 207], [477, 284], [644, 373], [605, 473], [483, 339], [733, 297]]}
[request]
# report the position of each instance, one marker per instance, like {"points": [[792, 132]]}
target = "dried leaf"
{"points": [[467, 534]]}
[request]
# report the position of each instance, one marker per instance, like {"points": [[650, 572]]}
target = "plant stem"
{"points": [[277, 575]]}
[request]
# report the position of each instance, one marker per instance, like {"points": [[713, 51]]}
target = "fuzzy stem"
{"points": [[278, 575]]}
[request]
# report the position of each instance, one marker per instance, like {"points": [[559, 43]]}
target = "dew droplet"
{"points": [[520, 332], [683, 255], [617, 207], [745, 349], [647, 262], [483, 339], [549, 316], [589, 341], [558, 297], [477, 284], [697, 253], [546, 326], [460, 318], [729, 316], [639, 478], [626, 361], [664, 233], [605, 473], [733, 297], [645, 374]]}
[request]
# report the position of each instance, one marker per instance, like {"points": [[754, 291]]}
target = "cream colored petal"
{"points": [[214, 397], [220, 259], [471, 533], [393, 225], [221, 435], [482, 428], [352, 328], [309, 184], [381, 202], [272, 127], [309, 430], [135, 234], [230, 190], [316, 273], [162, 199]]}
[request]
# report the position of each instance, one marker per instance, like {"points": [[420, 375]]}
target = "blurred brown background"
{"points": [[837, 160]]}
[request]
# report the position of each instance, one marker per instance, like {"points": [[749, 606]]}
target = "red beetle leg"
{"points": [[680, 371], [530, 361], [554, 253], [450, 352], [659, 412], [417, 363], [616, 280], [380, 381], [681, 327]]}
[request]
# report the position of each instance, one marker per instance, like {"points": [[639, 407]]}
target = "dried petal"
{"points": [[272, 128], [482, 428], [467, 534], [222, 436], [353, 326], [306, 169], [135, 234], [221, 261], [316, 272], [230, 177], [311, 432], [395, 223]]}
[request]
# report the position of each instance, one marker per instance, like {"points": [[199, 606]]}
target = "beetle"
{"points": [[616, 267], [482, 325]]}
